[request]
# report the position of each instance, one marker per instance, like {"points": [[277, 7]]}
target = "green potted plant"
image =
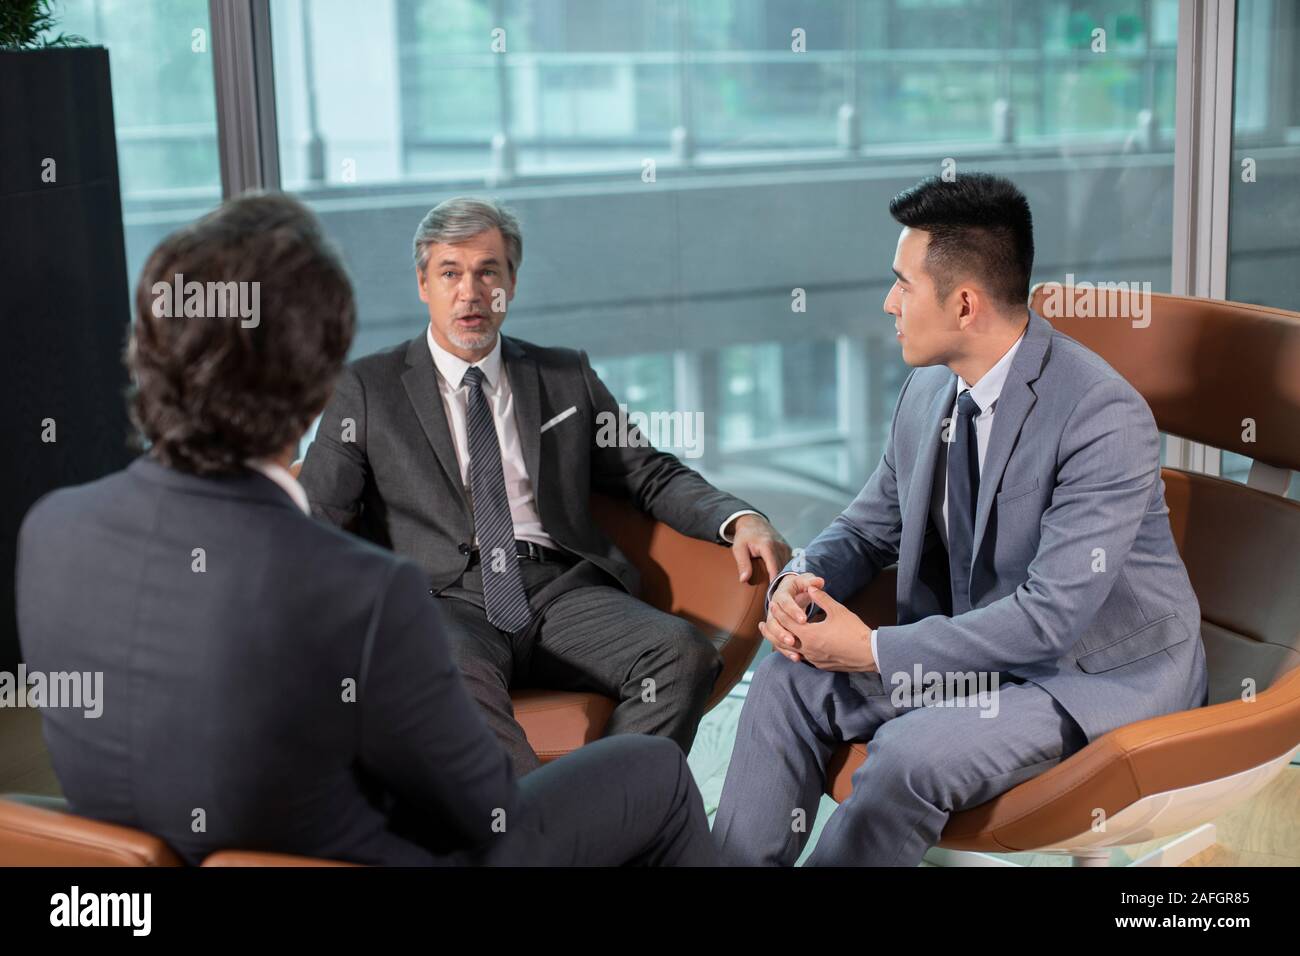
{"points": [[64, 305], [27, 25]]}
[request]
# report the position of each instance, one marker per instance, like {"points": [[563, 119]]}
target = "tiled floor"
{"points": [[24, 761]]}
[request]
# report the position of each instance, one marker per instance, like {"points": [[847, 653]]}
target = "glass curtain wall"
{"points": [[704, 186]]}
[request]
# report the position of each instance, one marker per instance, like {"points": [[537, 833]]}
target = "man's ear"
{"points": [[421, 280], [967, 302]]}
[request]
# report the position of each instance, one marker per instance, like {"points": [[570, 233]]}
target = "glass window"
{"points": [[1265, 195], [704, 187], [164, 110]]}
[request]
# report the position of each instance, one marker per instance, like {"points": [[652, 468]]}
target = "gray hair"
{"points": [[461, 218]]}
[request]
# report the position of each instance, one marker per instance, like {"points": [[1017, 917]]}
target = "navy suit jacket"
{"points": [[227, 718]]}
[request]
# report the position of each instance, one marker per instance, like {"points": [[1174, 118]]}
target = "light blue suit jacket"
{"points": [[1076, 583]]}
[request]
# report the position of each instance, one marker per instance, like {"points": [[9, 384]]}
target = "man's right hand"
{"points": [[789, 605]]}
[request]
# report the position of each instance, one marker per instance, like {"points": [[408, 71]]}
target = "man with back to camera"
{"points": [[474, 454], [1020, 494], [286, 684]]}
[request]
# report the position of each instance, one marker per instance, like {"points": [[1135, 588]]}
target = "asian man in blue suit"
{"points": [[1020, 495], [269, 681]]}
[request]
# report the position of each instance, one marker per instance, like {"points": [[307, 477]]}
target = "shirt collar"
{"points": [[986, 391], [282, 477], [453, 368]]}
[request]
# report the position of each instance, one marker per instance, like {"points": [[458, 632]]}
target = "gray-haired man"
{"points": [[475, 453]]}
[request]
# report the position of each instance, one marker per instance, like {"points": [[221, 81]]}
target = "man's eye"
{"points": [[446, 274], [490, 272]]}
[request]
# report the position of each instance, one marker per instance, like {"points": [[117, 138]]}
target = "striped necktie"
{"points": [[503, 584]]}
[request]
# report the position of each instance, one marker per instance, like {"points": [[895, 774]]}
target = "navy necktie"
{"points": [[504, 595], [963, 492]]}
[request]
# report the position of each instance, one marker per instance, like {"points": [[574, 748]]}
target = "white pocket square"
{"points": [[571, 410]]}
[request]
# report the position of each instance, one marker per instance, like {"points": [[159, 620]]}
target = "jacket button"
{"points": [[464, 548]]}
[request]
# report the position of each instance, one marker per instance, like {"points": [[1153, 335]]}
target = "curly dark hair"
{"points": [[211, 390]]}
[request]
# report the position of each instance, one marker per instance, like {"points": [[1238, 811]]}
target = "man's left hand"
{"points": [[754, 537]]}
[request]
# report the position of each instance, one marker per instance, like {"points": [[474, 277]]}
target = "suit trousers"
{"points": [[587, 636], [617, 801], [923, 763]]}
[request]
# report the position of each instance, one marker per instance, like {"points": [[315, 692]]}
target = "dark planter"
{"points": [[64, 301]]}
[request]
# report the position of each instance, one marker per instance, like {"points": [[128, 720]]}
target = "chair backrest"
{"points": [[1226, 374], [40, 836]]}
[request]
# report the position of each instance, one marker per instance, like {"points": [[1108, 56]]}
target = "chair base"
{"points": [[1174, 853]]}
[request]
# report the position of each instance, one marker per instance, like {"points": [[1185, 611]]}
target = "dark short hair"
{"points": [[210, 392], [980, 227]]}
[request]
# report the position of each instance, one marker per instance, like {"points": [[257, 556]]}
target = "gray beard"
{"points": [[470, 341]]}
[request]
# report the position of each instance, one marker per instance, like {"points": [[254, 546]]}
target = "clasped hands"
{"points": [[839, 641]]}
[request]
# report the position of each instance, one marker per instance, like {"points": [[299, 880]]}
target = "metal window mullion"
{"points": [[247, 138], [1202, 171]]}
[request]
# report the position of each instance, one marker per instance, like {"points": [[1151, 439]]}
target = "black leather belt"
{"points": [[533, 551]]}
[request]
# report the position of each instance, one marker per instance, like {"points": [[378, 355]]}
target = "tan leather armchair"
{"points": [[692, 579], [695, 579], [34, 831], [1207, 369], [38, 831]]}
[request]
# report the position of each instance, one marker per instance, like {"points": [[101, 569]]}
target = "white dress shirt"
{"points": [[496, 389]]}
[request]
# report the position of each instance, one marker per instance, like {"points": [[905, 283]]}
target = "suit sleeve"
{"points": [[1107, 467], [422, 735], [655, 481], [336, 469], [863, 539]]}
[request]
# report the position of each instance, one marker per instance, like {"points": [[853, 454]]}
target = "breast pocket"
{"points": [[559, 419], [1014, 527], [1149, 639], [1019, 491]]}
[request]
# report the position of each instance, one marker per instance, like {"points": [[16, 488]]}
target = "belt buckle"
{"points": [[534, 552]]}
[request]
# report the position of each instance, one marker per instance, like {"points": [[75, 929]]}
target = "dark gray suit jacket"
{"points": [[224, 688], [398, 482]]}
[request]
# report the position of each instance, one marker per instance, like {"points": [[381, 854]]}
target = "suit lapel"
{"points": [[522, 370], [921, 483], [1012, 409], [421, 383]]}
